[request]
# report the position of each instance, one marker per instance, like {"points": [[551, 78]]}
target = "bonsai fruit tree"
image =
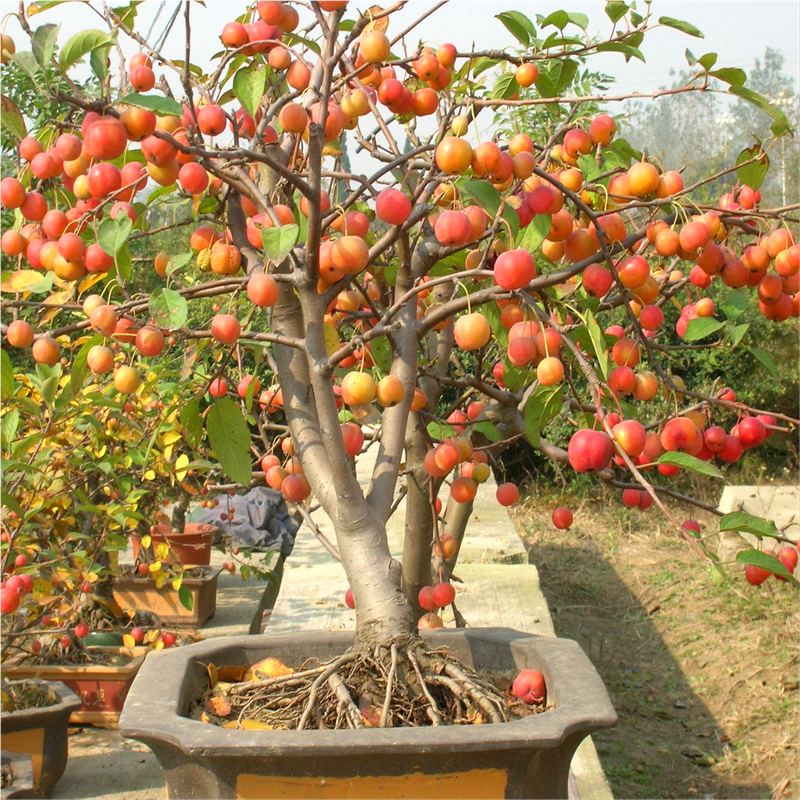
{"points": [[352, 228]]}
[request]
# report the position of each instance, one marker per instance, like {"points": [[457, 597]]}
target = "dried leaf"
{"points": [[219, 706], [268, 668], [213, 675], [205, 718], [232, 674], [249, 725], [371, 716], [381, 24]]}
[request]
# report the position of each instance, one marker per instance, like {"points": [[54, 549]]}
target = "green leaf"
{"points": [[682, 26], [700, 327], [492, 314], [731, 75], [249, 85], [753, 174], [707, 61], [536, 232], [562, 74], [9, 502], [780, 125], [230, 440], [489, 430], [185, 597], [598, 343], [113, 233], [519, 26], [381, 349], [80, 45], [512, 218], [176, 262], [588, 166], [43, 42], [294, 38], [11, 118], [483, 193], [79, 366], [278, 242], [6, 376], [168, 308], [8, 429], [616, 10], [734, 304], [743, 522], [629, 51], [767, 562], [439, 431], [504, 87], [685, 461], [542, 406], [158, 104], [581, 20], [192, 422], [26, 61], [766, 360], [737, 332], [482, 64], [98, 61], [560, 19], [124, 263]]}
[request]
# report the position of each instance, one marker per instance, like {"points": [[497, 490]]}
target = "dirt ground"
{"points": [[704, 677]]}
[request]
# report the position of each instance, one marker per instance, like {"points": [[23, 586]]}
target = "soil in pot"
{"points": [[409, 686]]}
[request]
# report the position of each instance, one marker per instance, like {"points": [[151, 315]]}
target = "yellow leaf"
{"points": [[101, 452], [230, 673], [162, 551], [159, 645], [213, 675], [149, 475], [331, 338], [92, 577], [168, 451], [170, 437], [91, 280], [146, 541], [20, 280], [268, 668], [128, 640], [152, 635], [180, 466]]}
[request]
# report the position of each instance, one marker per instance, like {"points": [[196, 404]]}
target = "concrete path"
{"points": [[780, 504], [498, 587]]}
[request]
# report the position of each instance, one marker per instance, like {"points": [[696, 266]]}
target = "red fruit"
{"points": [[137, 634], [751, 432], [631, 498], [12, 193], [168, 639], [691, 525], [426, 600], [645, 500], [262, 289], [393, 206], [103, 179], [443, 594], [562, 518], [81, 630], [732, 449], [225, 328], [590, 451], [353, 438], [714, 438], [193, 178], [754, 575], [767, 419], [507, 494], [295, 488], [96, 259], [514, 269], [631, 437], [679, 434], [597, 280], [349, 600], [453, 228], [529, 686], [9, 600], [211, 120], [66, 642], [105, 139], [149, 341]]}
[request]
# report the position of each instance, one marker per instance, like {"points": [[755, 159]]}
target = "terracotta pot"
{"points": [[22, 775], [192, 547], [101, 688], [526, 758], [141, 594], [41, 733]]}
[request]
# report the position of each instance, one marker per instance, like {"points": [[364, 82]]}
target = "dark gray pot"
{"points": [[526, 758], [42, 734]]}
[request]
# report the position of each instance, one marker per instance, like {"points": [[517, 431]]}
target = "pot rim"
{"points": [[68, 701], [137, 656], [190, 581], [157, 718]]}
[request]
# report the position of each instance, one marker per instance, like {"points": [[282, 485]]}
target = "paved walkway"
{"points": [[499, 588]]}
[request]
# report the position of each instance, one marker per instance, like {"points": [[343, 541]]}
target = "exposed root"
{"points": [[400, 683]]}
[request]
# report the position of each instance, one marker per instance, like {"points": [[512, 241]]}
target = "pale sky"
{"points": [[738, 30]]}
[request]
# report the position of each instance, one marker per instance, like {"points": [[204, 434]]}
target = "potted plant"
{"points": [[463, 297], [35, 717]]}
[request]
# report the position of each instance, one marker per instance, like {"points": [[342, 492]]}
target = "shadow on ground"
{"points": [[667, 742]]}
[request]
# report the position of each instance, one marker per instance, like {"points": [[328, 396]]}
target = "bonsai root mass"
{"points": [[401, 684]]}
